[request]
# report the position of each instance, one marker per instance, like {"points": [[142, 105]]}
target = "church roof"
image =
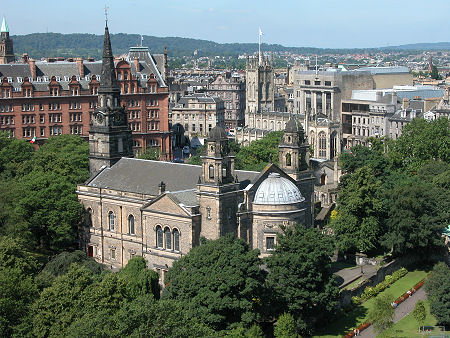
{"points": [[144, 176], [277, 190], [217, 133], [4, 28]]}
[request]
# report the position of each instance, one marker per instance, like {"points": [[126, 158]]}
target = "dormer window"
{"points": [[39, 79], [19, 79], [58, 78], [46, 79]]}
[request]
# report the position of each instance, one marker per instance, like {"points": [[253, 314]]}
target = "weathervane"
{"points": [[106, 15]]}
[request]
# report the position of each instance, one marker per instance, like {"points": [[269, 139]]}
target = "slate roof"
{"points": [[186, 197], [143, 176]]}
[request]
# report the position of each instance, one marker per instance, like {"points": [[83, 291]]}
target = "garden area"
{"points": [[349, 320]]}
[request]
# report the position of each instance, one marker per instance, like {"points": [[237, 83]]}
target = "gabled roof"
{"points": [[144, 176]]}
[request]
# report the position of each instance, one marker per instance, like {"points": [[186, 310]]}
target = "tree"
{"points": [[419, 313], [139, 279], [219, 282], [421, 141], [285, 327], [381, 314], [259, 153], [358, 224], [13, 155], [438, 289], [14, 254], [299, 277], [435, 73], [150, 154]]}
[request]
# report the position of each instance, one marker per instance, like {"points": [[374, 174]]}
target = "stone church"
{"points": [[160, 210]]}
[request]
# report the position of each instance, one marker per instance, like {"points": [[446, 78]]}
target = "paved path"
{"points": [[401, 311], [351, 273]]}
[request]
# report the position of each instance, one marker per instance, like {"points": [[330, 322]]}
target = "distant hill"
{"points": [[39, 45]]}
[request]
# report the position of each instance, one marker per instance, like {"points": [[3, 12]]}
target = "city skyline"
{"points": [[334, 25]]}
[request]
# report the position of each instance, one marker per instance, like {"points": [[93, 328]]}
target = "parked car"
{"points": [[186, 150], [178, 160]]}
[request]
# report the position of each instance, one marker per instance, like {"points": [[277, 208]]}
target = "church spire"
{"points": [[108, 82], [4, 28]]}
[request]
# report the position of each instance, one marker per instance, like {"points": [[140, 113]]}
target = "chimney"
{"points": [[80, 66], [394, 98], [136, 64], [24, 58], [405, 103], [413, 114], [32, 64], [161, 188]]}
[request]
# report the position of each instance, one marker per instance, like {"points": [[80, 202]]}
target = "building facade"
{"points": [[231, 90], [59, 96], [198, 114]]}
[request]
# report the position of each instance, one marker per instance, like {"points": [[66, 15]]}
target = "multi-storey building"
{"points": [[231, 90], [197, 114], [58, 96]]}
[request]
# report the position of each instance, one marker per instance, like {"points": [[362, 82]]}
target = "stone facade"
{"points": [[232, 91], [6, 45]]}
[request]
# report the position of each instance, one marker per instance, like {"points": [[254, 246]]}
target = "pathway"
{"points": [[401, 311], [352, 273]]}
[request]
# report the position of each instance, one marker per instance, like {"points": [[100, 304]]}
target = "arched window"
{"points": [[322, 144], [288, 159], [211, 171], [168, 238], [159, 237], [131, 225], [88, 217], [111, 219], [176, 240]]}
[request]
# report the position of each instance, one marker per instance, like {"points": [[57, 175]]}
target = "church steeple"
{"points": [[6, 44], [109, 135]]}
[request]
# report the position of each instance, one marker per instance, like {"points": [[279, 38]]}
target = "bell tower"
{"points": [[293, 152], [217, 187], [109, 135], [6, 44]]}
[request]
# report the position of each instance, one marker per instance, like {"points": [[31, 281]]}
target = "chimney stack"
{"points": [[378, 97], [32, 64], [136, 64], [24, 58], [80, 66], [405, 103], [394, 98]]}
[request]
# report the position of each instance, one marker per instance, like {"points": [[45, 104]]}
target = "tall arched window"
{"points": [[176, 240], [322, 144], [111, 219], [131, 225], [88, 217], [168, 238], [288, 159], [211, 171], [159, 237]]}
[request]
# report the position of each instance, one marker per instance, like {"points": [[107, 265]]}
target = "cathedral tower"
{"points": [[6, 45], [217, 187], [293, 153], [109, 134]]}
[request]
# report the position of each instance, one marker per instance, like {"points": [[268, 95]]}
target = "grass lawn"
{"points": [[407, 326], [348, 321]]}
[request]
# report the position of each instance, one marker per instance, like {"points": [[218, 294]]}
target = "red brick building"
{"points": [[58, 96]]}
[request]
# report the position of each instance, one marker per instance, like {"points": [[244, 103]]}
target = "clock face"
{"points": [[99, 117]]}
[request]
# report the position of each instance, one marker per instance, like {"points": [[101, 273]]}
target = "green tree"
{"points": [[13, 155], [14, 254], [435, 73], [259, 153], [285, 327], [139, 279], [49, 202], [438, 289], [381, 314], [299, 277], [419, 313], [150, 154], [421, 141], [358, 225], [219, 282]]}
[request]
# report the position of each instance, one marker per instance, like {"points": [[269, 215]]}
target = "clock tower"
{"points": [[109, 134]]}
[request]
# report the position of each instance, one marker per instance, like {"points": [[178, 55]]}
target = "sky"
{"points": [[295, 23]]}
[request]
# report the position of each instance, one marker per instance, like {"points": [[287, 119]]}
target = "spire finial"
{"points": [[106, 15]]}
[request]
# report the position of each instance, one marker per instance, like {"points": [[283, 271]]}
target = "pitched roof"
{"points": [[144, 176]]}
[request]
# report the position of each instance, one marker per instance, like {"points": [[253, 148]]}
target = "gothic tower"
{"points": [[217, 187], [293, 153], [260, 89], [109, 134], [6, 45]]}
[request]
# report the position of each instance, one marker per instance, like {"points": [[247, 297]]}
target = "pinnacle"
{"points": [[4, 28]]}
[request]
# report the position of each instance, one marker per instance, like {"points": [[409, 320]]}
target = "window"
{"points": [[168, 238], [176, 240], [288, 159], [113, 254], [131, 225], [322, 145], [211, 171], [327, 83], [111, 219], [270, 243], [159, 237], [208, 212], [307, 82], [317, 83]]}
